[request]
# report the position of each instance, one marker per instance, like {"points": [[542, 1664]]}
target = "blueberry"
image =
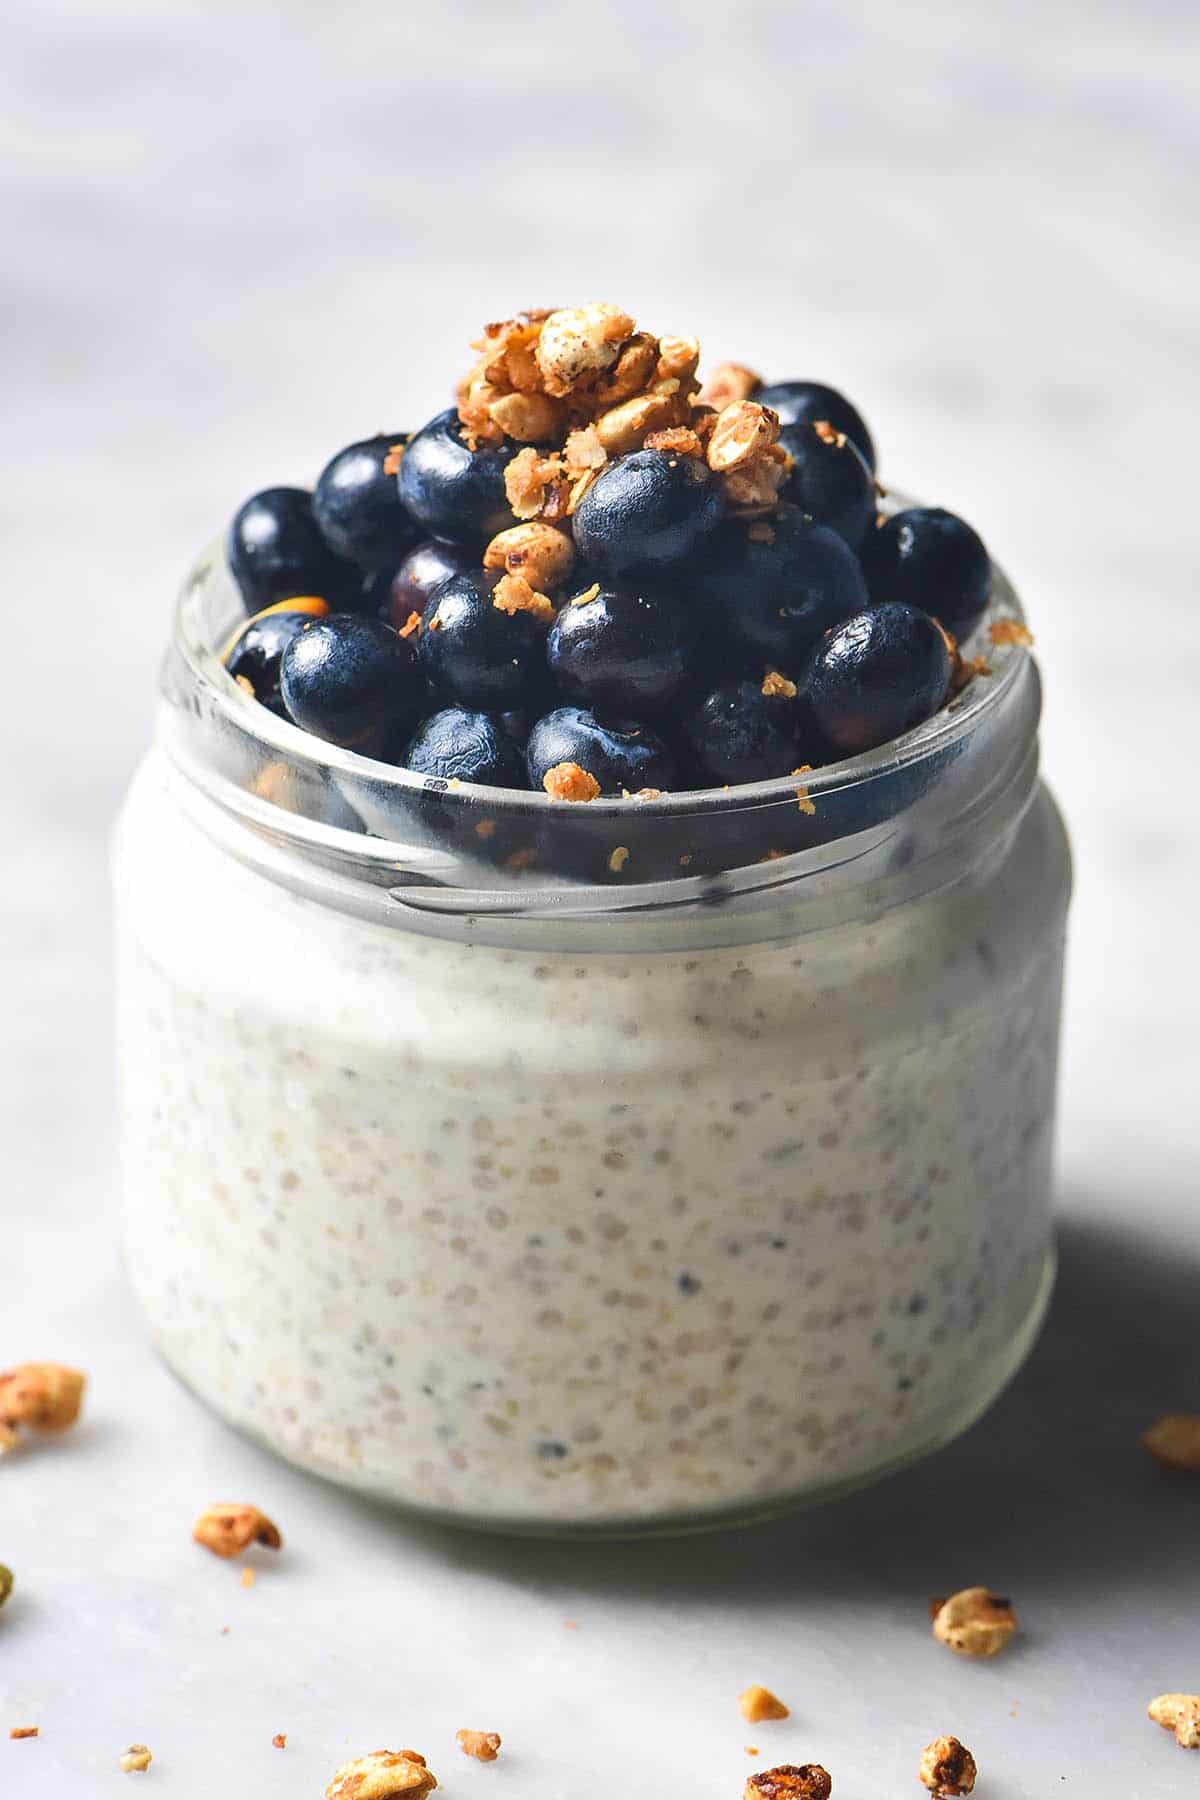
{"points": [[777, 585], [424, 568], [807, 402], [829, 480], [350, 680], [738, 733], [876, 676], [932, 559], [255, 652], [474, 653], [645, 513], [454, 492], [357, 504], [623, 756], [624, 650], [276, 551], [466, 746]]}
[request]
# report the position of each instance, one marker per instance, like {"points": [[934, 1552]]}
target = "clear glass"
{"points": [[543, 1188]]}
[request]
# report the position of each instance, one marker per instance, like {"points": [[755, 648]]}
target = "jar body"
{"points": [[551, 1239]]}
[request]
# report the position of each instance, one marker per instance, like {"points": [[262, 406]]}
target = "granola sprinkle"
{"points": [[1174, 1442], [790, 1781], [484, 1746], [973, 1622], [136, 1760], [567, 781], [757, 1703], [279, 1741], [41, 1396], [947, 1768], [383, 1775], [227, 1530], [25, 1731], [778, 686], [1179, 1713]]}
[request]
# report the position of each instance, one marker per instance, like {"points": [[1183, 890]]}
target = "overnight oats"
{"points": [[590, 945]]}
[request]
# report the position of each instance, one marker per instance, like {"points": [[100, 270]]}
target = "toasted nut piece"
{"points": [[6, 1583], [753, 486], [567, 781], [383, 1775], [947, 1767], [542, 553], [513, 594], [618, 858], [529, 418], [623, 427], [728, 382], [758, 1703], [583, 450], [974, 1622], [230, 1529], [530, 482], [1179, 1713], [632, 372], [790, 1781], [136, 1760], [742, 430], [45, 1396], [484, 1746], [579, 343], [678, 357], [1174, 1441], [777, 686], [1009, 631]]}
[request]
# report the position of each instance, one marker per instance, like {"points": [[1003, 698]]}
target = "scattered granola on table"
{"points": [[974, 1622], [1174, 1442], [228, 1529], [6, 1583], [25, 1731], [383, 1775], [279, 1741], [757, 1703], [1179, 1713], [136, 1760], [790, 1781], [947, 1768], [484, 1746], [38, 1396]]}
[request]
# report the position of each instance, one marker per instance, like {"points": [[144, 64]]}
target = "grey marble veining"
{"points": [[237, 235]]}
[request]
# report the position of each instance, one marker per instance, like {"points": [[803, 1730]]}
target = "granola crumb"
{"points": [[521, 859], [25, 1731], [648, 794], [618, 859], [484, 1746], [393, 459], [279, 1741], [757, 1703], [246, 685], [534, 484], [803, 800], [760, 532], [730, 382], [587, 594], [947, 1768], [776, 685], [383, 1775], [583, 450], [513, 594], [750, 1749], [974, 1622], [1174, 1442], [828, 435], [1010, 631], [485, 829], [248, 1577], [567, 781], [542, 553], [685, 859], [742, 432], [680, 439], [570, 1624], [42, 1396], [136, 1760], [790, 1781], [411, 624], [1179, 1713], [227, 1530]]}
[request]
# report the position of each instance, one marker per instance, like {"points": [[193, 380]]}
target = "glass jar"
{"points": [[622, 1166]]}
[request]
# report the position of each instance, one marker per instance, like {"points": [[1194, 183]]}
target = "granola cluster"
{"points": [[1179, 1713], [383, 1775], [38, 1396], [229, 1529], [973, 1622], [947, 1768]]}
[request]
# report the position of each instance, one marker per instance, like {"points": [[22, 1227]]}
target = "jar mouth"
{"points": [[263, 767]]}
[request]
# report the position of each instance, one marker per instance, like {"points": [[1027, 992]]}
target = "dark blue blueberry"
{"points": [[350, 680], [454, 492], [646, 513], [738, 733], [276, 551], [807, 402], [256, 651], [357, 504], [623, 756], [423, 570], [829, 480], [776, 586], [932, 559], [876, 676], [624, 650], [465, 746], [475, 653]]}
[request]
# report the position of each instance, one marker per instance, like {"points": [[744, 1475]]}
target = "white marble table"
{"points": [[237, 235]]}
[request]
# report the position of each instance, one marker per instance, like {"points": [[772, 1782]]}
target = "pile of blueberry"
{"points": [[693, 637]]}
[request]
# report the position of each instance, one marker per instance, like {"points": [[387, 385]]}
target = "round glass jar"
{"points": [[625, 1166]]}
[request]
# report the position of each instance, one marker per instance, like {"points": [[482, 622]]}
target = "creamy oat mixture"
{"points": [[579, 1238]]}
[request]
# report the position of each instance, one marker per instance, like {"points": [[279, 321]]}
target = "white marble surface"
{"points": [[238, 234]]}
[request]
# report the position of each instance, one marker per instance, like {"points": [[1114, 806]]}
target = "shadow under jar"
{"points": [[535, 1187]]}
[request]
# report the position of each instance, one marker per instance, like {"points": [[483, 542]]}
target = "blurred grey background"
{"points": [[238, 235]]}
